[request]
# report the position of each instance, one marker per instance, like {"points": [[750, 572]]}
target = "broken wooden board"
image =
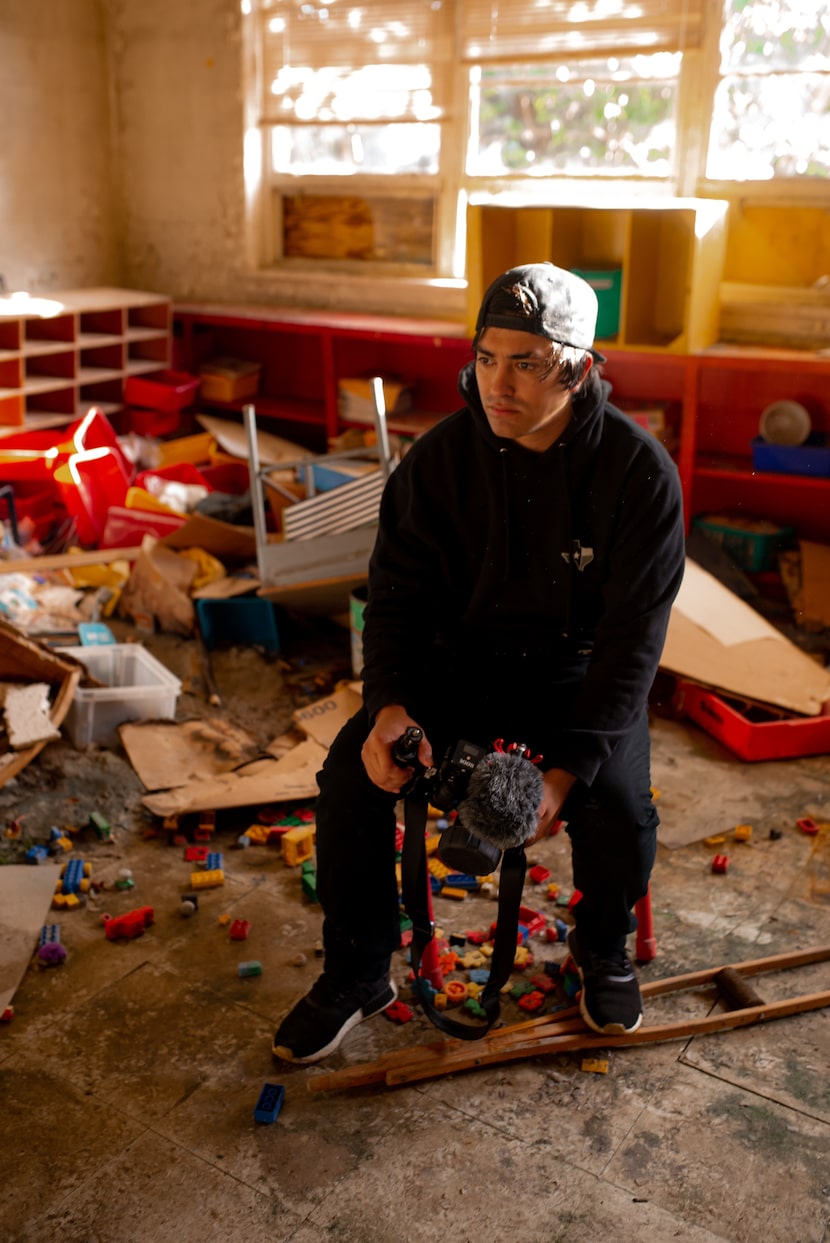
{"points": [[565, 1031], [293, 777], [718, 640], [24, 660]]}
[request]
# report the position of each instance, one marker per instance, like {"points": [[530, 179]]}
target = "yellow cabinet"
{"points": [[665, 258]]}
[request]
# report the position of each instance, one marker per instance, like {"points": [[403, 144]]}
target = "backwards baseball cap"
{"points": [[545, 300]]}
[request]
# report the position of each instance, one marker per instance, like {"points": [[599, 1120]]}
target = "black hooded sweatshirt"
{"points": [[534, 561]]}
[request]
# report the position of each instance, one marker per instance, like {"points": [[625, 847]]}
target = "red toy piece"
{"points": [[398, 1012], [130, 925], [720, 863], [239, 929]]}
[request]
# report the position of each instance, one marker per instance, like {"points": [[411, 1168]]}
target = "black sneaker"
{"points": [[610, 1001], [320, 1020]]}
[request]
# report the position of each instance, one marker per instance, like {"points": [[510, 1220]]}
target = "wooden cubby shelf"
{"points": [[62, 352]]}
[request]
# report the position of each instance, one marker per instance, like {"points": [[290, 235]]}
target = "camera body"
{"points": [[447, 784]]}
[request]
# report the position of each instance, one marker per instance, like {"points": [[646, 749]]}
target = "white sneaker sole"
{"points": [[286, 1055]]}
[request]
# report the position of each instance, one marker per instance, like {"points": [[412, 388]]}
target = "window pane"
{"points": [[340, 150], [368, 228], [775, 34], [772, 126], [609, 116], [374, 92]]}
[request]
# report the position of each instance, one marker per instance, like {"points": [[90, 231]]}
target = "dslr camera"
{"points": [[494, 794]]}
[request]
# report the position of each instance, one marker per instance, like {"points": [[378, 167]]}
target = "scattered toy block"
{"points": [[239, 929], [455, 992], [743, 832], [595, 1065], [720, 864], [297, 845], [718, 840], [195, 854], [101, 826], [207, 880], [128, 926], [456, 895], [205, 827], [398, 1012], [807, 825], [248, 969], [270, 1103], [539, 874], [532, 1001]]}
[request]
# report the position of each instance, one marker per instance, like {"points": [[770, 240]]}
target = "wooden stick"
{"points": [[68, 560], [565, 1031]]}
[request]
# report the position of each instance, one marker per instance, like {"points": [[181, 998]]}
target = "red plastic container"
{"points": [[753, 731], [177, 472], [231, 477], [168, 391], [127, 527], [152, 422]]}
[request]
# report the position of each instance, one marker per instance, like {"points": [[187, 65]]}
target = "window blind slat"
{"points": [[338, 33], [535, 29]]}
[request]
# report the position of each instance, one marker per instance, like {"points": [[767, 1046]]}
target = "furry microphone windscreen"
{"points": [[503, 798]]}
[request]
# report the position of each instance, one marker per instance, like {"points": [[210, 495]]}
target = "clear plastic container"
{"points": [[137, 687]]}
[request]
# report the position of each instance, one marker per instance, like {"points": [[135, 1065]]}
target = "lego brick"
{"points": [[270, 1103]]}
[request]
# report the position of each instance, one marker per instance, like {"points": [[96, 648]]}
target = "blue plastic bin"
{"points": [[811, 458], [238, 621]]}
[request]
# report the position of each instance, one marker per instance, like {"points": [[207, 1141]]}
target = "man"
{"points": [[529, 550]]}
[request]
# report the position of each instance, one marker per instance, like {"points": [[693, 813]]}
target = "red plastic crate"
{"points": [[168, 391], [751, 730]]}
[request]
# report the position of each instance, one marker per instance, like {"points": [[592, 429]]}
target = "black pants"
{"points": [[612, 826]]}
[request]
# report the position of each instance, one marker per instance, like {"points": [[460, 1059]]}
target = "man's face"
{"points": [[522, 397]]}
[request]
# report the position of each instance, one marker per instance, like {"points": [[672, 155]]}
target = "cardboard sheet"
{"points": [[26, 894], [323, 719], [168, 754], [716, 639], [232, 438], [294, 777]]}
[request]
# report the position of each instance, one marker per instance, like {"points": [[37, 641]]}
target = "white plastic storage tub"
{"points": [[137, 687]]}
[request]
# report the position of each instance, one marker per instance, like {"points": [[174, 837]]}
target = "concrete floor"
{"points": [[129, 1075]]}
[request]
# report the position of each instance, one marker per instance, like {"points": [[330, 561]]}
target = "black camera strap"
{"points": [[414, 882]]}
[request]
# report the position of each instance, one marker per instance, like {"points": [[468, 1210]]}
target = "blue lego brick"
{"points": [[270, 1102], [480, 975], [49, 932], [460, 880], [36, 854], [214, 861], [73, 874]]}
